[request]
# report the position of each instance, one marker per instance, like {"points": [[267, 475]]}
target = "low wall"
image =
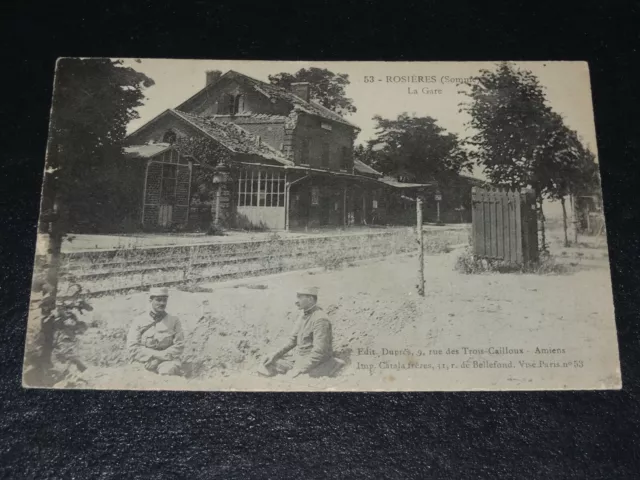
{"points": [[271, 218], [140, 268]]}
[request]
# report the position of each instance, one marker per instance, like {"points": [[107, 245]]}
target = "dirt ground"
{"points": [[374, 305]]}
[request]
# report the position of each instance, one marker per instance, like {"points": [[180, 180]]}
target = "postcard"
{"points": [[222, 225]]}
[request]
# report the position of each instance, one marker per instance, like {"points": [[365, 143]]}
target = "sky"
{"points": [[566, 86]]}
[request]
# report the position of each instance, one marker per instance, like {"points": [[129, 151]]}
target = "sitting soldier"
{"points": [[155, 338], [311, 338]]}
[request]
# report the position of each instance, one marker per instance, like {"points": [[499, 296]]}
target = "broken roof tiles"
{"points": [[274, 92], [249, 117], [233, 137]]}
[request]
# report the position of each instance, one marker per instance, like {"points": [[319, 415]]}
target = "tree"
{"points": [[93, 101], [415, 149], [326, 88], [519, 140], [569, 169], [365, 154]]}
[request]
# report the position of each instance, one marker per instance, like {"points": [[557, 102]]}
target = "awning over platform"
{"points": [[396, 184], [145, 151], [361, 167]]}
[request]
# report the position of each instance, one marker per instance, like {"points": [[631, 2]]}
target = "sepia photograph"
{"points": [[218, 225]]}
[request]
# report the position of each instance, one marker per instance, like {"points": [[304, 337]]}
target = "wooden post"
{"points": [[574, 215], [421, 246], [216, 220], [564, 222], [344, 205], [364, 209]]}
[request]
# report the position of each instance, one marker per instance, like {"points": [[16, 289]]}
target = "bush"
{"points": [[215, 230], [330, 260], [548, 266], [468, 264], [194, 287]]}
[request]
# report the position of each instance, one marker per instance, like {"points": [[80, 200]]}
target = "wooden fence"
{"points": [[504, 225]]}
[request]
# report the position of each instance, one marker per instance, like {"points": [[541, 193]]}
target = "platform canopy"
{"points": [[146, 151], [392, 182]]}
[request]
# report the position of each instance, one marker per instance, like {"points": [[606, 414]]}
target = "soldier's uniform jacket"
{"points": [[159, 333], [312, 339]]}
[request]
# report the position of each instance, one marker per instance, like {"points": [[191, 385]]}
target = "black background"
{"points": [[51, 434]]}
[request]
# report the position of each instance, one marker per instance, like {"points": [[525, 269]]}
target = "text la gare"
{"points": [[424, 91]]}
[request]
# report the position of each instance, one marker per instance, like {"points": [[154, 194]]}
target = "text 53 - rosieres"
{"points": [[418, 79]]}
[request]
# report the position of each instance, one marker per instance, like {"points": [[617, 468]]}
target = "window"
{"points": [[230, 104], [238, 104], [304, 152], [169, 137], [259, 188], [170, 156], [168, 189], [325, 155], [167, 184], [315, 195], [345, 158]]}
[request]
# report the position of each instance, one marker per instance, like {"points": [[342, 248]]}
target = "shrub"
{"points": [[330, 260], [467, 263], [214, 229], [194, 287], [547, 266]]}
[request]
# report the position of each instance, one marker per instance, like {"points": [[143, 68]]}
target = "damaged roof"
{"points": [[250, 118], [274, 92], [233, 137]]}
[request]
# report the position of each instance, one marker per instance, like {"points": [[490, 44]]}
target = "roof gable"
{"points": [[272, 92], [231, 136]]}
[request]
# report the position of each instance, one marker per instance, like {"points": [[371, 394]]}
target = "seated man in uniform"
{"points": [[312, 341], [155, 338]]}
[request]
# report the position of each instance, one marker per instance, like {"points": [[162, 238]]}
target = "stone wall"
{"points": [[121, 270]]}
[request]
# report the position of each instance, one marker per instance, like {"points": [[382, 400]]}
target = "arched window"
{"points": [[169, 137]]}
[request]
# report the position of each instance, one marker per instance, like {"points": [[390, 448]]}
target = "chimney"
{"points": [[213, 76], [301, 89]]}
